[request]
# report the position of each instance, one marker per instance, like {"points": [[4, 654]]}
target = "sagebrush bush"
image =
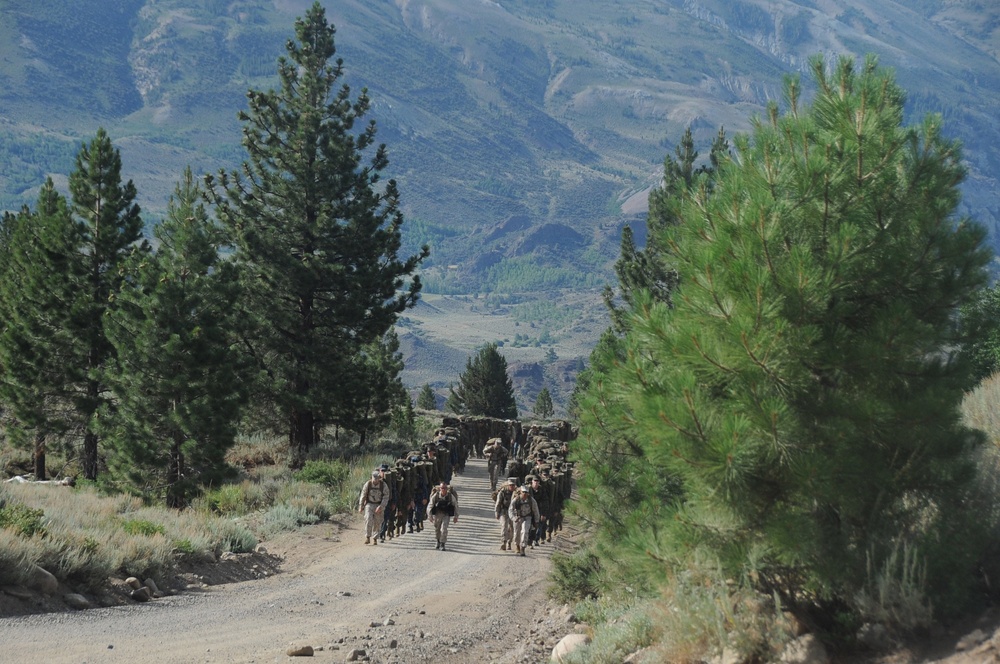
{"points": [[21, 519], [328, 473], [575, 576], [18, 554], [89, 537], [285, 517]]}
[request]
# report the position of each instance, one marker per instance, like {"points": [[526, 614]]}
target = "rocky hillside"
{"points": [[524, 133]]}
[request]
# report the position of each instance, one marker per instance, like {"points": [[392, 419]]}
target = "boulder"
{"points": [[806, 649], [300, 651], [566, 645], [77, 601], [42, 580]]}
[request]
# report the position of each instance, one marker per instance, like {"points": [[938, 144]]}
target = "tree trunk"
{"points": [[175, 473], [38, 456], [300, 437], [90, 455]]}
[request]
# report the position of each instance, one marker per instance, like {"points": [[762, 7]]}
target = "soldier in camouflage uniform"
{"points": [[372, 501], [496, 452], [388, 526], [501, 509], [442, 506], [523, 511]]}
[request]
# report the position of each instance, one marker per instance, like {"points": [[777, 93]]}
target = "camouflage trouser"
{"points": [[388, 524], [494, 474], [522, 532], [373, 521], [506, 529], [540, 528], [440, 526]]}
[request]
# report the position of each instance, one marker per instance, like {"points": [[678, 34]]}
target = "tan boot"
{"points": [[368, 540], [503, 546]]}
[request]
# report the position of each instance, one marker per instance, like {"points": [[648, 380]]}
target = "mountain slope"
{"points": [[524, 133]]}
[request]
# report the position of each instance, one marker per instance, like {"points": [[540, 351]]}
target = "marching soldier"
{"points": [[372, 501], [504, 496], [522, 511], [442, 506], [497, 455]]}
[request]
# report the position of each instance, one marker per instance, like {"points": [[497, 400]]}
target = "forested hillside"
{"points": [[524, 134]]}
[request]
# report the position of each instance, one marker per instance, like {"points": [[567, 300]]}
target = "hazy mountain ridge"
{"points": [[524, 133], [550, 111]]}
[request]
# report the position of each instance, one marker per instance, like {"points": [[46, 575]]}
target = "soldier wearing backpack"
{"points": [[372, 501], [442, 506], [502, 505], [523, 512]]}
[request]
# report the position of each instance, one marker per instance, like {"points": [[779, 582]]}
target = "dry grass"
{"points": [[87, 537]]}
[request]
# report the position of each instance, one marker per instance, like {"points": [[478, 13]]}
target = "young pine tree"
{"points": [[316, 235], [543, 404], [453, 404], [176, 376], [426, 399], [70, 270], [37, 284], [484, 388], [375, 390], [804, 389]]}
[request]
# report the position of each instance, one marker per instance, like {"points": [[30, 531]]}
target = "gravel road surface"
{"points": [[402, 601]]}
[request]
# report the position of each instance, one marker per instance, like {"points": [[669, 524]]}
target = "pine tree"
{"points": [[484, 388], [375, 388], [108, 230], [543, 404], [981, 319], [453, 404], [67, 286], [176, 376], [315, 233], [36, 286], [795, 412], [426, 398], [650, 268]]}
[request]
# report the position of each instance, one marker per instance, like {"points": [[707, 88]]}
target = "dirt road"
{"points": [[402, 601]]}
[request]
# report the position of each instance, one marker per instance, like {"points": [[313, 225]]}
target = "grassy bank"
{"points": [[89, 533]]}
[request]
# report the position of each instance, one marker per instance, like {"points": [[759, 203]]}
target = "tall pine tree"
{"points": [[176, 376], [543, 404], [800, 399], [426, 399], [485, 388], [107, 229], [37, 285], [316, 233]]}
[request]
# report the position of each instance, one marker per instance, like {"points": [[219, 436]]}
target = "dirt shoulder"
{"points": [[401, 601]]}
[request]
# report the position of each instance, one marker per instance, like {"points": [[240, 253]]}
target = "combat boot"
{"points": [[375, 541], [368, 540], [503, 546], [519, 548], [442, 546]]}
